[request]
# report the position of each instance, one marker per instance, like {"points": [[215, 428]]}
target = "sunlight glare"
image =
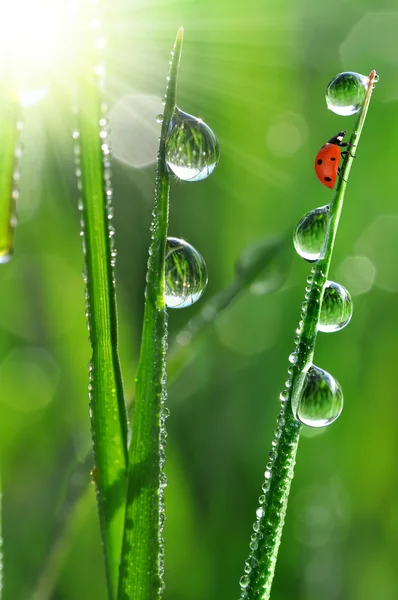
{"points": [[37, 38]]}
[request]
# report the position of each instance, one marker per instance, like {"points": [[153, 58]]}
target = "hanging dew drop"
{"points": [[185, 274], [310, 233], [346, 93], [159, 118], [336, 309], [321, 401], [192, 150], [244, 582]]}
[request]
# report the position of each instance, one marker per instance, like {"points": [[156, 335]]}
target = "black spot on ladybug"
{"points": [[333, 158], [327, 179], [319, 161]]}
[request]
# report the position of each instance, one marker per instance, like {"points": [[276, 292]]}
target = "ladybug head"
{"points": [[337, 139]]}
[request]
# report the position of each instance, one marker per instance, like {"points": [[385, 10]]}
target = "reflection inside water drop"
{"points": [[321, 401], [185, 274], [346, 93], [192, 150], [310, 233], [336, 309]]}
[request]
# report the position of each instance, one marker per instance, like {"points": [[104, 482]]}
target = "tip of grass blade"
{"points": [[180, 34]]}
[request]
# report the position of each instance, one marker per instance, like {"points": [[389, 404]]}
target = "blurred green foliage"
{"points": [[256, 72]]}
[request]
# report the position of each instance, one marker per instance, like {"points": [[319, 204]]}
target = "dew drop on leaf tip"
{"points": [[185, 274], [192, 149], [346, 92]]}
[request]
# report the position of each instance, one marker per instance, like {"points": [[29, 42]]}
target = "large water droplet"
{"points": [[336, 309], [192, 150], [346, 92], [309, 235], [185, 274], [321, 400]]}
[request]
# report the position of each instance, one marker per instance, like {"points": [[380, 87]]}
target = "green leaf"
{"points": [[9, 126], [107, 405], [260, 565], [141, 562]]}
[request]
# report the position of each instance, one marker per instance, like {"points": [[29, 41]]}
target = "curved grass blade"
{"points": [[10, 150], [141, 568], [264, 545], [107, 405]]}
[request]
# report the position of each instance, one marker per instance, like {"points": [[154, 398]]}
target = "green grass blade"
{"points": [[108, 411], [251, 268], [9, 155], [1, 538], [260, 566], [141, 563]]}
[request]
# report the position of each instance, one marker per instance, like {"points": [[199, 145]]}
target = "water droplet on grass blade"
{"points": [[185, 274], [336, 309], [309, 235], [346, 93], [321, 401], [244, 581], [192, 150]]}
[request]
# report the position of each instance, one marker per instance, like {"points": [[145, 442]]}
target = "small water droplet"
{"points": [[159, 118], [346, 93], [336, 309], [293, 358], [192, 150], [310, 233], [321, 401], [260, 511], [284, 396], [244, 582], [185, 274]]}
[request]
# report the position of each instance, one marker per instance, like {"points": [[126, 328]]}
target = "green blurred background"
{"points": [[256, 72]]}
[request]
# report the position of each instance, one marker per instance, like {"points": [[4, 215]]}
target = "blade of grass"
{"points": [[10, 125], [1, 537], [141, 567], [254, 266], [107, 405], [260, 566]]}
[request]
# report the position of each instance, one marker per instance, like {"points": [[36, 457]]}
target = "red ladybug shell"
{"points": [[327, 163]]}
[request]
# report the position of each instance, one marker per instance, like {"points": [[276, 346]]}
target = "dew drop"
{"points": [[192, 150], [159, 118], [244, 581], [185, 274], [346, 93], [336, 309], [309, 235], [321, 400], [260, 511]]}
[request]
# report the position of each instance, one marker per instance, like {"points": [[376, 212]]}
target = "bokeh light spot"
{"points": [[357, 274], [379, 242], [287, 134], [372, 44], [134, 129], [251, 325], [28, 379]]}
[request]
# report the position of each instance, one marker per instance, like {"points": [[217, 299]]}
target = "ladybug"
{"points": [[328, 158]]}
